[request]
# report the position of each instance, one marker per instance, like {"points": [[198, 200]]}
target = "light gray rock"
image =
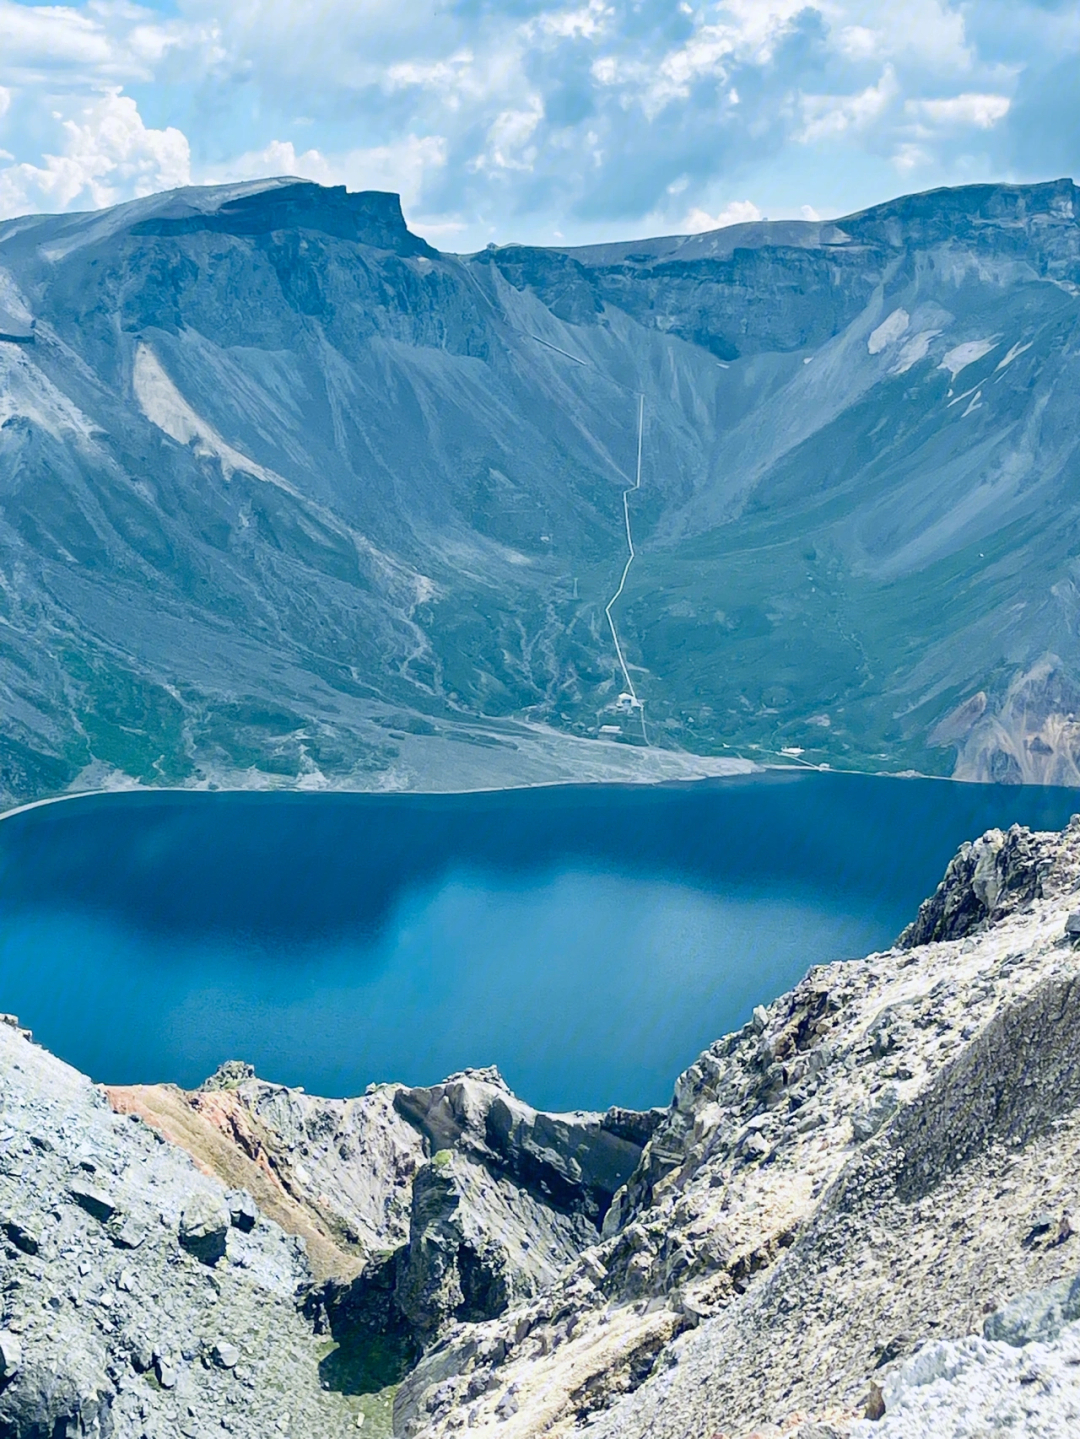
{"points": [[99, 1330], [204, 1227], [11, 1354], [226, 1355], [1040, 1315]]}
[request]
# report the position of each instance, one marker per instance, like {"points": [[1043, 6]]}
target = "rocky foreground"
{"points": [[857, 1217]]}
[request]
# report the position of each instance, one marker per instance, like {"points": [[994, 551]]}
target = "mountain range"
{"points": [[287, 496]]}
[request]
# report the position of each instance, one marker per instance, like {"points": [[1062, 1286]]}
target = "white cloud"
{"points": [[508, 139], [108, 154], [516, 120], [748, 35], [932, 31], [587, 22], [909, 157], [739, 212], [826, 117], [402, 167], [982, 111], [93, 44]]}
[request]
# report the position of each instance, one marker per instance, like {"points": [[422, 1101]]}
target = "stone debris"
{"points": [[122, 1343], [876, 1161]]}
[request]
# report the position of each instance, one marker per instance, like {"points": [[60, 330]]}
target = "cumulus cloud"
{"points": [[982, 111], [402, 167], [108, 154], [517, 119], [739, 212]]}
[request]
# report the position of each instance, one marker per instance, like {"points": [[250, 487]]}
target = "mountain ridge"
{"points": [[281, 485]]}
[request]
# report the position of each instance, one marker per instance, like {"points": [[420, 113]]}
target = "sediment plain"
{"points": [[857, 1216]]}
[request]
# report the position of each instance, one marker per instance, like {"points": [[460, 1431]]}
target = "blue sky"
{"points": [[540, 121]]}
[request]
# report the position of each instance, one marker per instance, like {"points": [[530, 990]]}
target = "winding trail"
{"points": [[626, 570], [503, 318]]}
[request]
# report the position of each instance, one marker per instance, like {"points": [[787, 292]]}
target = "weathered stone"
{"points": [[94, 1200], [23, 1235], [243, 1212], [985, 881], [229, 1075], [204, 1227], [11, 1355], [1040, 1315], [226, 1355]]}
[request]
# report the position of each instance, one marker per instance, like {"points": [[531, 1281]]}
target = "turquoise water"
{"points": [[588, 940]]}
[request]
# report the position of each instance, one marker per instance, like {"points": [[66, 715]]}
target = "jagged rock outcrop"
{"points": [[130, 1305], [986, 880], [878, 1160], [421, 1206]]}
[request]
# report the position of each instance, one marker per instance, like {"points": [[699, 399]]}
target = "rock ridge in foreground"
{"points": [[882, 1162]]}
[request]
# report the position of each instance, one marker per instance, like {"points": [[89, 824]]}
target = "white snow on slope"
{"points": [[164, 406], [889, 330], [961, 356], [1017, 349], [914, 350]]}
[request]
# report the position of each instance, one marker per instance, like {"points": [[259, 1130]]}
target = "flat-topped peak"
{"points": [[370, 217]]}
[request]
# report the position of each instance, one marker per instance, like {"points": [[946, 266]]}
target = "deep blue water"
{"points": [[589, 940]]}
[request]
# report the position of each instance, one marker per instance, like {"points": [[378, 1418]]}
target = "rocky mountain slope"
{"points": [[884, 1161], [288, 496]]}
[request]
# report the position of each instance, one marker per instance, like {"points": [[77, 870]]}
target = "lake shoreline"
{"points": [[739, 769]]}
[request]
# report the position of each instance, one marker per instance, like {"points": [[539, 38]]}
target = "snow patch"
{"points": [[914, 350], [974, 405], [164, 406], [1016, 350], [960, 356], [889, 330]]}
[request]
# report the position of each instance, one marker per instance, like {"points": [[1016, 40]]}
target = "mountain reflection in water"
{"points": [[589, 940]]}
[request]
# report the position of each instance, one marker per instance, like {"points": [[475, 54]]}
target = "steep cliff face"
{"points": [[288, 495]]}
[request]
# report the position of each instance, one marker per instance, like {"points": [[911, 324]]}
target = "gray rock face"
{"points": [[479, 1244], [506, 1199], [291, 496], [986, 880], [880, 1159], [577, 1161], [101, 1338], [1040, 1315]]}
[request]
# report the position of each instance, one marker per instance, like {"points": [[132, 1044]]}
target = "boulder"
{"points": [[204, 1227], [94, 1200], [226, 1355], [10, 1355], [1040, 1315], [243, 1211]]}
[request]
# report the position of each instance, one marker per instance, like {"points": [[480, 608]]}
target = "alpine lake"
{"points": [[588, 940]]}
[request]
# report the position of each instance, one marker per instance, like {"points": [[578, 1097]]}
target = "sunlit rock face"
{"points": [[288, 496]]}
